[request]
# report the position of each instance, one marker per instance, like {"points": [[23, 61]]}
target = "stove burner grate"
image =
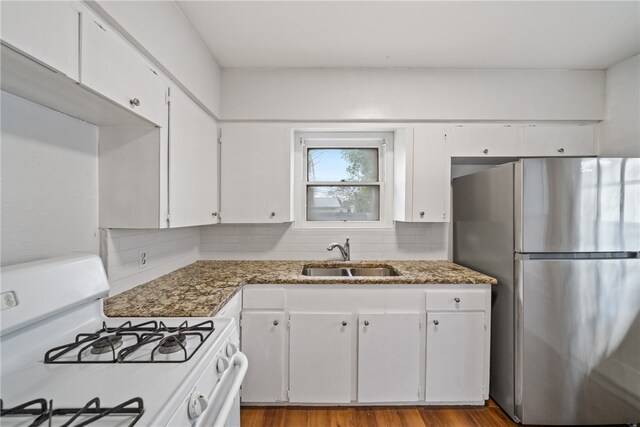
{"points": [[167, 339], [91, 412]]}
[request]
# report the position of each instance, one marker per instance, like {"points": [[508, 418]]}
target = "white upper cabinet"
{"points": [[486, 140], [112, 68], [46, 31], [422, 169], [255, 175], [193, 163], [559, 140]]}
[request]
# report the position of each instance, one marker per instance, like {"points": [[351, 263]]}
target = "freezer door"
{"points": [[579, 205], [578, 341]]}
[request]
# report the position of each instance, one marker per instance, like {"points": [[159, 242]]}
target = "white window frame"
{"points": [[383, 141]]}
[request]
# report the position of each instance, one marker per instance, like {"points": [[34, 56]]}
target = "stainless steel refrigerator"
{"points": [[562, 237]]}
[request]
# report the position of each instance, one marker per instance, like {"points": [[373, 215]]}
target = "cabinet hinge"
{"points": [[420, 326], [219, 140], [419, 392], [288, 394], [168, 219], [167, 97], [485, 322], [289, 323]]}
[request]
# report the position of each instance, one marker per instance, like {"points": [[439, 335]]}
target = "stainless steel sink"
{"points": [[349, 272], [318, 271], [374, 271]]}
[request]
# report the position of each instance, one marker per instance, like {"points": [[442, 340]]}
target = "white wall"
{"points": [[620, 131], [49, 180], [166, 251], [282, 241], [162, 32], [418, 94]]}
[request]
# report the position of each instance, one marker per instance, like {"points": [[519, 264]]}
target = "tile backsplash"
{"points": [[283, 241], [168, 250]]}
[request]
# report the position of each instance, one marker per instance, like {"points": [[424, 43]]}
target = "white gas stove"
{"points": [[65, 363]]}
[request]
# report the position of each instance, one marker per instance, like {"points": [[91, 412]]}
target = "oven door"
{"points": [[220, 406]]}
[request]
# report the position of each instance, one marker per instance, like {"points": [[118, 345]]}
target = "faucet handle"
{"points": [[347, 240]]}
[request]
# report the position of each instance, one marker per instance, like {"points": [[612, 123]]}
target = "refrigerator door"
{"points": [[483, 240], [578, 345], [579, 205]]}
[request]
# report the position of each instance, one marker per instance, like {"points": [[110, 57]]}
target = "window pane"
{"points": [[343, 203], [342, 164]]}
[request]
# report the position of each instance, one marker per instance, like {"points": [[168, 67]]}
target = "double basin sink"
{"points": [[345, 271]]}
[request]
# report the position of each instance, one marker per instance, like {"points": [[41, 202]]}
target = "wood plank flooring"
{"points": [[375, 416]]}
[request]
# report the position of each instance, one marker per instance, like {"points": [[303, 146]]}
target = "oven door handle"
{"points": [[239, 360]]}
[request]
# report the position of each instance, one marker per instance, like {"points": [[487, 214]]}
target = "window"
{"points": [[343, 179]]}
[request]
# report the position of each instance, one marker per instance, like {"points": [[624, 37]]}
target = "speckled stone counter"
{"points": [[202, 288]]}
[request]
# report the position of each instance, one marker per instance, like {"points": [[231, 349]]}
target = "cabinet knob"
{"points": [[485, 151], [366, 323], [272, 214], [344, 323], [135, 102], [421, 214], [275, 323], [214, 213], [456, 299], [436, 322], [560, 150]]}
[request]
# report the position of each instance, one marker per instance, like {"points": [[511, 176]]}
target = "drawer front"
{"points": [[265, 299], [112, 68], [451, 300], [486, 141]]}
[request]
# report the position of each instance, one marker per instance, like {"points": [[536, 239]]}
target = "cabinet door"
{"points": [[486, 141], [455, 357], [388, 357], [256, 174], [431, 174], [112, 68], [559, 140], [193, 163], [320, 362], [263, 342], [46, 31]]}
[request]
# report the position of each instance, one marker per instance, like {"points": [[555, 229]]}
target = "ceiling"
{"points": [[417, 34]]}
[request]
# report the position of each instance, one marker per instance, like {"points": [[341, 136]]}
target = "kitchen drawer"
{"points": [[469, 300], [265, 299], [486, 141]]}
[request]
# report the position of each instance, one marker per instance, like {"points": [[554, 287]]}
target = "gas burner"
{"points": [[106, 344], [172, 344]]}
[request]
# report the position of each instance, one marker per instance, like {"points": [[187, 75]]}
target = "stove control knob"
{"points": [[222, 364], [197, 404], [231, 349]]}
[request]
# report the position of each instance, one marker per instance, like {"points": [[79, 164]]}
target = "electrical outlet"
{"points": [[142, 258]]}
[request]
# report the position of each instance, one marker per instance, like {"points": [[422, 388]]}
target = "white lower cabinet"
{"points": [[263, 342], [344, 344], [389, 357], [455, 357], [320, 357]]}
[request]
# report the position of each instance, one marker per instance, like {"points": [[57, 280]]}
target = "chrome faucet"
{"points": [[344, 250]]}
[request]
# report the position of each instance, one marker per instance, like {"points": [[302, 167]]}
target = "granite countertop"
{"points": [[202, 288]]}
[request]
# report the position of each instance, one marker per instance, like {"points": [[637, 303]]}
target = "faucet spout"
{"points": [[345, 250]]}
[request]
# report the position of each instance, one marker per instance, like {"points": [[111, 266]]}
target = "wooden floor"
{"points": [[371, 416]]}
